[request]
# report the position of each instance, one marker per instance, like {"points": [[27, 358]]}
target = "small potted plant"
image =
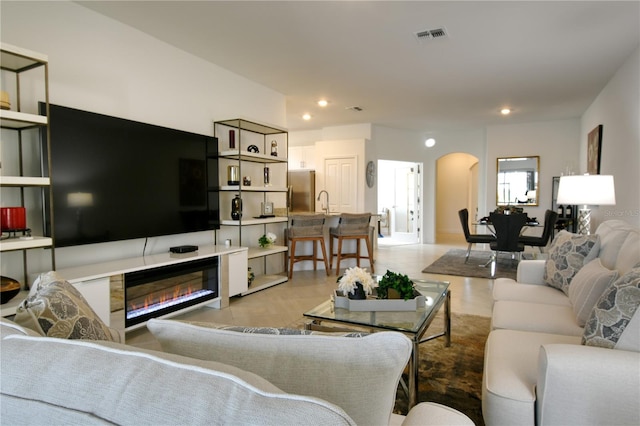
{"points": [[395, 286], [267, 240], [250, 276], [356, 283]]}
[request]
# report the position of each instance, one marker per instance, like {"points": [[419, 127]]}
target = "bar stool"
{"points": [[307, 227], [351, 227]]}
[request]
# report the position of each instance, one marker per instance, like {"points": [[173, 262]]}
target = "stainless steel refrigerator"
{"points": [[302, 191]]}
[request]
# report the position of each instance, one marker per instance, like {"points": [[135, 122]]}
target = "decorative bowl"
{"points": [[8, 289]]}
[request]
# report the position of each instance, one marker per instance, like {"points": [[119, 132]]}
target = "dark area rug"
{"points": [[452, 263], [453, 376]]}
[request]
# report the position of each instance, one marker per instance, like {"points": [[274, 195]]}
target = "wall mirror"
{"points": [[517, 179]]}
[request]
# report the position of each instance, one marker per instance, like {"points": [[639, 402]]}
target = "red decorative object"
{"points": [[13, 218]]}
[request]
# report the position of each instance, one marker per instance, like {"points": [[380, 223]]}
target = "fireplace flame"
{"points": [[165, 297]]}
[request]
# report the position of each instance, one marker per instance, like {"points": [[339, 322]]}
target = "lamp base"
{"points": [[584, 221]]}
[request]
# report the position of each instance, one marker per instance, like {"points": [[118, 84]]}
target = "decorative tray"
{"points": [[373, 304]]}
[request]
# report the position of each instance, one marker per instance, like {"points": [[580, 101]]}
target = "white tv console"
{"points": [[93, 281]]}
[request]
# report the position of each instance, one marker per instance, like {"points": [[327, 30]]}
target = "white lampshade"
{"points": [[594, 190]]}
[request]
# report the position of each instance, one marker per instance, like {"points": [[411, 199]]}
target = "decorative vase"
{"points": [[267, 176], [236, 208], [233, 175], [358, 293], [232, 139]]}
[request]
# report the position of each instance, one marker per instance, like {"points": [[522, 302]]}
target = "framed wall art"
{"points": [[594, 148]]}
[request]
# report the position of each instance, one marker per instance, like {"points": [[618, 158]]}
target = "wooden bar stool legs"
{"points": [[357, 255], [352, 226], [308, 227], [293, 258]]}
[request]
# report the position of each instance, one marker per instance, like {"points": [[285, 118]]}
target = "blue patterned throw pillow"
{"points": [[613, 312], [567, 255]]}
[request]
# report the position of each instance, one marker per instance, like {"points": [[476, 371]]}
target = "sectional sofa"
{"points": [[61, 365], [565, 342]]}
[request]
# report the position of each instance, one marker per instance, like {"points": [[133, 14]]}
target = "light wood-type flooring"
{"points": [[284, 304]]}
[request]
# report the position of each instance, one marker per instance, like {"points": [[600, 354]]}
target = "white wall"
{"points": [[617, 108], [556, 142], [404, 145], [560, 144], [100, 65]]}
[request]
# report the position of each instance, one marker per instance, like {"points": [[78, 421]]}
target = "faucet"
{"points": [[326, 209]]}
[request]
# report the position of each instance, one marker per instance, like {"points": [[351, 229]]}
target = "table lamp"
{"points": [[584, 190]]}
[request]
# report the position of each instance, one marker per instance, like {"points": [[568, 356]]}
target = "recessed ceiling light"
{"points": [[306, 116], [505, 111], [323, 103], [430, 142]]}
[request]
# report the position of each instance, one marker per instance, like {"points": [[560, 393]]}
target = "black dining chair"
{"points": [[507, 228], [550, 219], [472, 238]]}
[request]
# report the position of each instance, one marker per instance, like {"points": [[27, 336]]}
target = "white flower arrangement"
{"points": [[267, 239], [347, 282]]}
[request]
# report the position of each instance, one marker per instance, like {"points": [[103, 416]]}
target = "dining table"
{"points": [[486, 221]]}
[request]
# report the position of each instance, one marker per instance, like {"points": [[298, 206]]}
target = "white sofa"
{"points": [[546, 359], [213, 375]]}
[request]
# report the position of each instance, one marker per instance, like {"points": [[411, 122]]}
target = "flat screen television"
{"points": [[115, 179]]}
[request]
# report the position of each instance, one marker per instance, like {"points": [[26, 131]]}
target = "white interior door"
{"points": [[405, 213], [399, 192], [341, 184]]}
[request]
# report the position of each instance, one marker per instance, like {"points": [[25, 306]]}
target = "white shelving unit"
{"points": [[268, 264], [20, 147]]}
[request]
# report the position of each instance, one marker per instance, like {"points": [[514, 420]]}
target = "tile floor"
{"points": [[284, 304]]}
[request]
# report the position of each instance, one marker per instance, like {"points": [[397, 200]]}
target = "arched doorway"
{"points": [[456, 188]]}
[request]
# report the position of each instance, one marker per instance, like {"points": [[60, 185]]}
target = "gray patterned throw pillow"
{"points": [[613, 312], [567, 255], [54, 308]]}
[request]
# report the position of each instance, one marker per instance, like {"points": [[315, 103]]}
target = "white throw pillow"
{"points": [[567, 255], [587, 287], [359, 374]]}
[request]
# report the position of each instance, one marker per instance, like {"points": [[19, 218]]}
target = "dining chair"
{"points": [[507, 228], [308, 227], [352, 226], [472, 238], [550, 219]]}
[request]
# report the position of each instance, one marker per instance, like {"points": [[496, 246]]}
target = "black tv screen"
{"points": [[115, 179]]}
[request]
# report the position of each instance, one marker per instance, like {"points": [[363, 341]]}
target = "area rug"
{"points": [[452, 263], [452, 376]]}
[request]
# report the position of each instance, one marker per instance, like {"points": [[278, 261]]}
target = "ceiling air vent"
{"points": [[433, 34]]}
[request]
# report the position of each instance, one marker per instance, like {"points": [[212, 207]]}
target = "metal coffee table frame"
{"points": [[414, 324]]}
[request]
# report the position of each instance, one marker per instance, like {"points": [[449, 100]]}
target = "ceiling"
{"points": [[546, 60]]}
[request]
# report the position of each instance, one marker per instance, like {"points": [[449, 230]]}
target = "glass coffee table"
{"points": [[414, 324]]}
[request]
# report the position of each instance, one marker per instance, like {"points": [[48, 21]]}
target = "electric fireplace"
{"points": [[159, 291]]}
